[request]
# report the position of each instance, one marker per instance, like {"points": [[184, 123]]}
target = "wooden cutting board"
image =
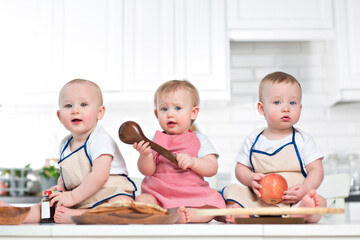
{"points": [[125, 218], [269, 220], [269, 211]]}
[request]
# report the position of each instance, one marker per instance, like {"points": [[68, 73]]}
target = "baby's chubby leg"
{"points": [[32, 217], [146, 198], [64, 214], [188, 215]]}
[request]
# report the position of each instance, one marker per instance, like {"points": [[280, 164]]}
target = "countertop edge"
{"points": [[180, 230]]}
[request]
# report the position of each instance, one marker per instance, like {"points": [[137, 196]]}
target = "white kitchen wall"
{"points": [[30, 134]]}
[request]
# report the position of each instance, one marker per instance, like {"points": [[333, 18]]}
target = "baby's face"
{"points": [[281, 104], [175, 112], [79, 108]]}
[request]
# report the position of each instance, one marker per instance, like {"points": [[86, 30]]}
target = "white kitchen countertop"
{"points": [[212, 230]]}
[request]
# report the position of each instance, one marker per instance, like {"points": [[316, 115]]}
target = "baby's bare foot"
{"points": [[311, 199], [231, 218], [184, 216], [64, 214]]}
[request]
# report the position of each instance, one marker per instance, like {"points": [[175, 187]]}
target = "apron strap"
{"points": [[303, 172]]}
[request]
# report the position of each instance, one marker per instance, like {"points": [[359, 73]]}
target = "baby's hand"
{"points": [[143, 148], [256, 177], [294, 194], [53, 188], [62, 199], [185, 161], [58, 188]]}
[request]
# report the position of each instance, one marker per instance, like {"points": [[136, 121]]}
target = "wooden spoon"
{"points": [[130, 132]]}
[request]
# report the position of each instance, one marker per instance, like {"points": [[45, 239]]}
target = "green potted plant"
{"points": [[17, 171], [49, 176], [15, 180]]}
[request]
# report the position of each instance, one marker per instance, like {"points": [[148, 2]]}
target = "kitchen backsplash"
{"points": [[30, 134]]}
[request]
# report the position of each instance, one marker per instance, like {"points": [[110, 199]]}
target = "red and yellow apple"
{"points": [[272, 188]]}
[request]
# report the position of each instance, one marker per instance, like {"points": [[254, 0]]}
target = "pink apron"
{"points": [[174, 187]]}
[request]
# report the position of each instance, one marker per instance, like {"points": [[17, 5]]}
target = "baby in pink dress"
{"points": [[179, 186]]}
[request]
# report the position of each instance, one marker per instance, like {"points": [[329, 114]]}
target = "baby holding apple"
{"points": [[279, 148]]}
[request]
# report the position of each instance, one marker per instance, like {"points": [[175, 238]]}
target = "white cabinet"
{"points": [[202, 45], [148, 44], [280, 19], [166, 40], [129, 47], [347, 55], [30, 48], [92, 39], [278, 14]]}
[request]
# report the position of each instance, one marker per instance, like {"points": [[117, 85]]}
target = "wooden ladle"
{"points": [[130, 132]]}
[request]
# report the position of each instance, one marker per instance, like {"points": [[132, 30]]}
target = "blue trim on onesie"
{"points": [[252, 149], [124, 175], [61, 174], [131, 182], [90, 161], [231, 200], [62, 159], [85, 149], [101, 201], [272, 154], [83, 146], [278, 150], [132, 196], [299, 158]]}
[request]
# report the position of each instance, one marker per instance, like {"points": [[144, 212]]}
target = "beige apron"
{"points": [[285, 161], [77, 166]]}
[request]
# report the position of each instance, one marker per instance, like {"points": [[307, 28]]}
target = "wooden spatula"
{"points": [[130, 132]]}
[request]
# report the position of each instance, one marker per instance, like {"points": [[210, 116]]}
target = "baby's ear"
{"points": [[260, 108], [101, 112], [58, 115], [156, 113], [195, 112]]}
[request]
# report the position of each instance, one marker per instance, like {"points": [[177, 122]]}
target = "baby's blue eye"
{"points": [[277, 102], [83, 104], [164, 109], [68, 106], [292, 103], [177, 108]]}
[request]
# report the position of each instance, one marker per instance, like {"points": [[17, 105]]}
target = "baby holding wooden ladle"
{"points": [[179, 186]]}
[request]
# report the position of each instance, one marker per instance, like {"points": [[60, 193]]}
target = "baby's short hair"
{"points": [[173, 85], [277, 77], [84, 81]]}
